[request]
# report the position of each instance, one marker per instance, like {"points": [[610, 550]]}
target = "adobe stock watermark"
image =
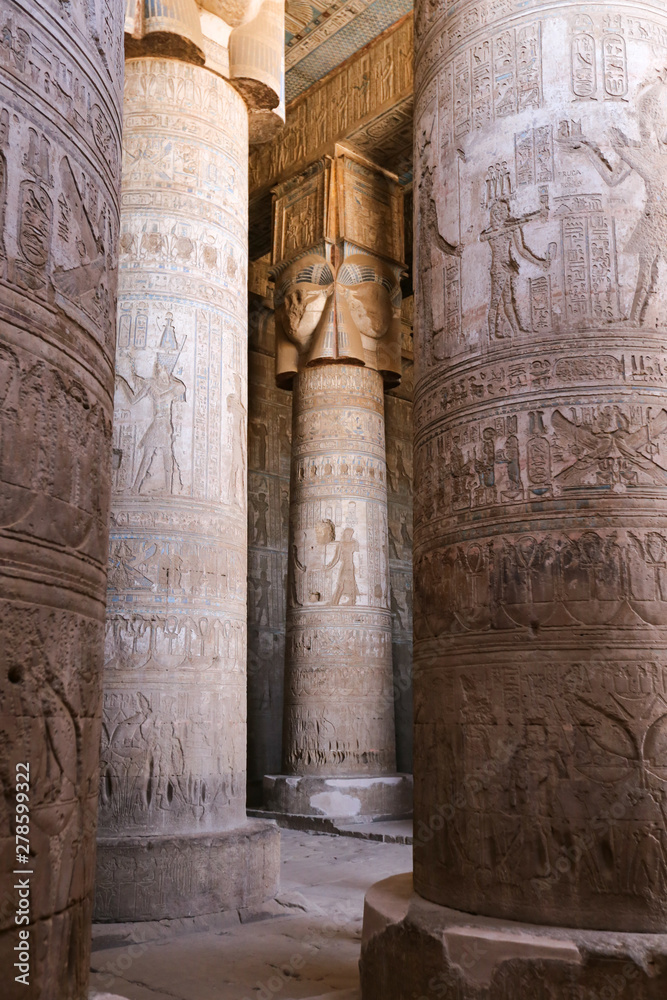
{"points": [[23, 872]]}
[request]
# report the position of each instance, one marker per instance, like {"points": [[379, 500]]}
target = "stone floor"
{"points": [[306, 945]]}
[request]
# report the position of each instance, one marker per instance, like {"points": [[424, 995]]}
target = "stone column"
{"points": [[541, 527], [174, 839], [269, 452], [398, 419], [338, 246], [60, 125]]}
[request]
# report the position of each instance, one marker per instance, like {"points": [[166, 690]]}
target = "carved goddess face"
{"points": [[325, 532], [371, 309], [304, 290], [301, 311]]}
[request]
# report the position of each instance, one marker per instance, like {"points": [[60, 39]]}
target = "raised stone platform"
{"points": [[161, 878], [349, 800], [414, 948]]}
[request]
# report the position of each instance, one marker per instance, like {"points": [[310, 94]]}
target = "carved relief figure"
{"points": [[297, 570], [429, 237], [259, 438], [507, 242], [237, 473], [346, 590], [261, 508], [645, 157], [262, 587], [609, 452], [157, 444]]}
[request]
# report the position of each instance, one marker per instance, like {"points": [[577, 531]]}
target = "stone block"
{"points": [[354, 800], [160, 878], [414, 948]]}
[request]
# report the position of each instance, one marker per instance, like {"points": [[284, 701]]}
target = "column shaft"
{"points": [[339, 711], [172, 793], [540, 413], [60, 104]]}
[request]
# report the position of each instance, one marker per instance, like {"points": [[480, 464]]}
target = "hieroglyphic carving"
{"points": [[338, 337], [60, 123], [338, 594], [540, 419], [175, 673], [344, 102]]}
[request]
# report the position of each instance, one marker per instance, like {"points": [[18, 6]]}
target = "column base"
{"points": [[160, 878], [413, 948], [354, 800]]}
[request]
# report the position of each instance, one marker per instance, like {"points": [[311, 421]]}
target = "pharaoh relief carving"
{"points": [[540, 418]]}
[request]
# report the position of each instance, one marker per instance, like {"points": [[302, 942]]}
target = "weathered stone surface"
{"points": [[150, 878], [60, 102], [312, 950], [353, 800], [540, 412], [339, 709], [415, 948], [174, 733]]}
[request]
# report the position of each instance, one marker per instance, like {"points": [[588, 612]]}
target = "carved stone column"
{"points": [[174, 839], [60, 106], [338, 245], [398, 421], [541, 508]]}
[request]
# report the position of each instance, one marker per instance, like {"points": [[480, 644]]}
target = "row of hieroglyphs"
{"points": [[557, 580], [541, 453], [332, 109]]}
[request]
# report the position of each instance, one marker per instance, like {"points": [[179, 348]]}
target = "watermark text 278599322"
{"points": [[22, 868]]}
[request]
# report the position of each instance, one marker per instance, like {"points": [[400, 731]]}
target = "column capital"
{"points": [[241, 40], [337, 263]]}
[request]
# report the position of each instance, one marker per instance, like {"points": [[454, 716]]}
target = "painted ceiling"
{"points": [[321, 34]]}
